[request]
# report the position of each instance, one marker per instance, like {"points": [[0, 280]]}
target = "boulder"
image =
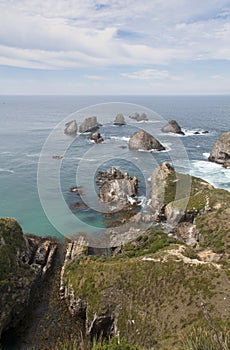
{"points": [[96, 137], [71, 128], [142, 140], [119, 120], [221, 150], [173, 127], [139, 117], [89, 124]]}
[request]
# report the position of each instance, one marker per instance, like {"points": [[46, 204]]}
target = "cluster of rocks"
{"points": [[139, 117], [117, 187]]}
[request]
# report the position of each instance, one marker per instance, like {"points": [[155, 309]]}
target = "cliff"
{"points": [[25, 262]]}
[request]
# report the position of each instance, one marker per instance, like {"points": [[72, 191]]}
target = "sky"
{"points": [[115, 47]]}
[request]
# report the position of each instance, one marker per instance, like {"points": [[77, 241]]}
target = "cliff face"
{"points": [[24, 262], [221, 150]]}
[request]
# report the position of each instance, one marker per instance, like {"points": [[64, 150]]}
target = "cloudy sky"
{"points": [[115, 47]]}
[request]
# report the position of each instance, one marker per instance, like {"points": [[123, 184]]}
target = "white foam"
{"points": [[120, 138], [33, 155], [5, 170], [214, 173], [193, 132], [206, 155]]}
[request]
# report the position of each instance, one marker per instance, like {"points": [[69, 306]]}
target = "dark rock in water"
{"points": [[57, 156], [117, 187], [96, 137], [119, 120], [221, 150], [196, 133], [89, 124], [25, 261], [205, 132], [139, 117], [71, 128], [77, 189], [78, 205], [172, 126], [142, 140]]}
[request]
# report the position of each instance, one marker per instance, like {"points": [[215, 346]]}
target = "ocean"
{"points": [[34, 186]]}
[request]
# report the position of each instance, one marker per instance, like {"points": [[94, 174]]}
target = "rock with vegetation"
{"points": [[71, 128], [89, 124], [119, 120], [173, 127], [25, 261], [142, 140], [221, 150]]}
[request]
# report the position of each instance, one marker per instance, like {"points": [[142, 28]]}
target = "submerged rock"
{"points": [[89, 124], [221, 150], [71, 128], [142, 140], [173, 127], [119, 120]]}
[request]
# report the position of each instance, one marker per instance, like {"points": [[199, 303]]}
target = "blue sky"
{"points": [[114, 47]]}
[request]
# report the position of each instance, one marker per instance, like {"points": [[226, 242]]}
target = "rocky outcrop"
{"points": [[25, 261], [139, 117], [119, 120], [89, 124], [221, 150], [71, 128], [142, 140], [117, 187], [96, 137], [173, 127], [102, 327]]}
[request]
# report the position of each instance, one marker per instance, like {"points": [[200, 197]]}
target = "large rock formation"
{"points": [[142, 140], [25, 261], [119, 120], [221, 150], [173, 127], [117, 187], [89, 124], [139, 117], [71, 128]]}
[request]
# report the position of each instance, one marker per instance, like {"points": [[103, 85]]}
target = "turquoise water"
{"points": [[26, 122]]}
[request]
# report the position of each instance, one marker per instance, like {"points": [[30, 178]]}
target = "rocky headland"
{"points": [[220, 152]]}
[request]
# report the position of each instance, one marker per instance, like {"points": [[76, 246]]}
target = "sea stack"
{"points": [[142, 140], [221, 150], [173, 127]]}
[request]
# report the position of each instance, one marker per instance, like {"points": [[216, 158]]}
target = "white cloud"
{"points": [[148, 74]]}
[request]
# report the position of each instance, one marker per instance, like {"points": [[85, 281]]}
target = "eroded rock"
{"points": [[221, 150], [142, 140], [89, 124], [173, 127], [119, 120], [71, 128]]}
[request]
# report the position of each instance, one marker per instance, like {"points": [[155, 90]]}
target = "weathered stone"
{"points": [[221, 150], [89, 124], [96, 137], [119, 120], [173, 127], [139, 117], [71, 128], [142, 140]]}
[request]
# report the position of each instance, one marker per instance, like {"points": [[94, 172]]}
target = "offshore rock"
{"points": [[173, 127], [25, 261], [96, 137], [142, 140], [89, 124], [119, 120], [221, 150], [71, 128], [139, 117], [117, 187]]}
